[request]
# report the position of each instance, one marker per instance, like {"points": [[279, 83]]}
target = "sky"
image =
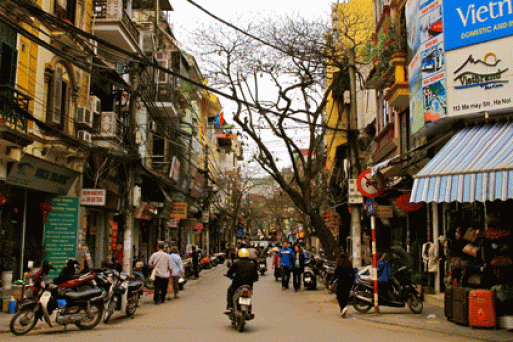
{"points": [[186, 17]]}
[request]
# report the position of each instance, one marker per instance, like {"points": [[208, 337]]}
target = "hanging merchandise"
{"points": [[3, 200], [471, 250], [45, 208], [430, 256]]}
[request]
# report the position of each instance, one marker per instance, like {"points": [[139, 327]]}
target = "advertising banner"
{"points": [[480, 78], [61, 232], [477, 21], [428, 98]]}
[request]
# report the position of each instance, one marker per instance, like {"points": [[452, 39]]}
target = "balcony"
{"points": [[13, 125], [398, 95], [113, 24], [386, 143]]}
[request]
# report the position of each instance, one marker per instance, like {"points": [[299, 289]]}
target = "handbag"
{"points": [[154, 271], [470, 249], [472, 235]]}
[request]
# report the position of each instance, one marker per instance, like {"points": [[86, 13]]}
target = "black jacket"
{"points": [[243, 271], [301, 261]]}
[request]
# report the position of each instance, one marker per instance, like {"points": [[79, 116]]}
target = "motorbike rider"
{"points": [[243, 272], [385, 277]]}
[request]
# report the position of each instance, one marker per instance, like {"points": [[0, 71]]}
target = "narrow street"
{"points": [[280, 315]]}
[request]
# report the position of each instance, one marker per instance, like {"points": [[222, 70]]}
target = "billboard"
{"points": [[477, 21], [425, 29], [480, 78]]}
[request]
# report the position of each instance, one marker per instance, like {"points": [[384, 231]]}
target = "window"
{"points": [[385, 114], [66, 10], [58, 100], [8, 58]]}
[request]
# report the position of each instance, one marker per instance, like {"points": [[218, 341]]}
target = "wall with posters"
{"points": [[428, 96]]}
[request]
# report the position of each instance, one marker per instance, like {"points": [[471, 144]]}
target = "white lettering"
{"points": [[491, 10], [464, 19], [501, 8], [480, 11]]}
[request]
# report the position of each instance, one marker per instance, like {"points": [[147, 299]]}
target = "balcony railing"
{"points": [[8, 115], [112, 10]]}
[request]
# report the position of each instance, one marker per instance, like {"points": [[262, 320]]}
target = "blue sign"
{"points": [[370, 205], [476, 21]]}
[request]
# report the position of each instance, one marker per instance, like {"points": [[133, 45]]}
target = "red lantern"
{"points": [[2, 200], [403, 203]]}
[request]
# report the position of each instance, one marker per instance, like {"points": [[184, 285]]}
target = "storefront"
{"points": [[469, 185]]}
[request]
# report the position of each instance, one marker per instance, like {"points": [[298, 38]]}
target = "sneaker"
{"points": [[283, 288], [343, 313]]}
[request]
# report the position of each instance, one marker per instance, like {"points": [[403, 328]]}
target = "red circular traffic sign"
{"points": [[370, 186]]}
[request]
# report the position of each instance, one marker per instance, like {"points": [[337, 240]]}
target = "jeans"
{"points": [[296, 279], [285, 276], [160, 290]]}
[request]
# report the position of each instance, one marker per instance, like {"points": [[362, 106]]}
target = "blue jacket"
{"points": [[287, 257], [384, 271]]}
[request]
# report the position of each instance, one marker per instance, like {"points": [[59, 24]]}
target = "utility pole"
{"points": [[130, 183], [356, 225], [206, 205]]}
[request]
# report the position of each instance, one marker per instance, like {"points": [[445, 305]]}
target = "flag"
{"points": [[217, 118], [221, 118]]}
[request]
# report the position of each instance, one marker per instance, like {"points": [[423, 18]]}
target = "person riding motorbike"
{"points": [[243, 272], [385, 277]]}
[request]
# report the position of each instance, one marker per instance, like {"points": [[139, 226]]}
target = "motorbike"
{"points": [[221, 257], [187, 265], [242, 303], [73, 301], [310, 275], [262, 265], [122, 286], [142, 273], [403, 291]]}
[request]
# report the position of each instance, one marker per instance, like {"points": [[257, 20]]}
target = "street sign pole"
{"points": [[371, 210]]}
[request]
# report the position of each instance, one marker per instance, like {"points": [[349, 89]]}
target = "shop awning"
{"points": [[476, 165]]}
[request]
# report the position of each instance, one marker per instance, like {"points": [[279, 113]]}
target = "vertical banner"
{"points": [[428, 97], [61, 232]]}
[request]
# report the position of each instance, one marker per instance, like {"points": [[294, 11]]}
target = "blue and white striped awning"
{"points": [[476, 165]]}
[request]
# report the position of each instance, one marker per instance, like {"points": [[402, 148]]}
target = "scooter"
{"points": [[122, 286], [402, 292], [72, 306], [241, 307], [262, 265], [142, 273], [310, 275]]}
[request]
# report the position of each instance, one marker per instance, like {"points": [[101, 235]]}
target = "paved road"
{"points": [[280, 315]]}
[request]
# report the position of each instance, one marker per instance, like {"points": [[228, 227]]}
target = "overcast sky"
{"points": [[186, 17]]}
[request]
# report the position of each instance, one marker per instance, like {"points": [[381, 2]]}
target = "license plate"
{"points": [[262, 266], [307, 278], [244, 301]]}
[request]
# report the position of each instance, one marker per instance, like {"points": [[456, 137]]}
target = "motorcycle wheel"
{"points": [[109, 311], [91, 321], [23, 321], [361, 306], [130, 309], [240, 322], [414, 303], [148, 283]]}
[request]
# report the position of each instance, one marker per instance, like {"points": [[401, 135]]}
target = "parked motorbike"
{"points": [[402, 292], [73, 303], [241, 307], [142, 273], [122, 286], [221, 257], [187, 265], [262, 265], [310, 274]]}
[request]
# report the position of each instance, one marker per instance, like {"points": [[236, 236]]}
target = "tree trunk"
{"points": [[328, 242]]}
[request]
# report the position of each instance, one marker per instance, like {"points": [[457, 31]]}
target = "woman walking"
{"points": [[298, 267], [344, 273]]}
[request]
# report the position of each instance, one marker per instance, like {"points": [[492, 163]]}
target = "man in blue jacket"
{"points": [[287, 259]]}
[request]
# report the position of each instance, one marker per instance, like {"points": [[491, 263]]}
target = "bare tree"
{"points": [[281, 86]]}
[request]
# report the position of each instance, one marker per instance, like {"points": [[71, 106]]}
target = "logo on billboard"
{"points": [[483, 73]]}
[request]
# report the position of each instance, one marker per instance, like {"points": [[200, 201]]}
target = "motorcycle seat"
{"points": [[134, 285], [83, 295]]}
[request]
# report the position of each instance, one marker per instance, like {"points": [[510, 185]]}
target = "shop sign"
{"points": [[179, 210], [198, 227], [93, 197], [476, 21], [34, 173], [403, 203], [480, 78], [205, 217], [61, 232], [198, 185], [385, 211], [114, 236], [174, 171]]}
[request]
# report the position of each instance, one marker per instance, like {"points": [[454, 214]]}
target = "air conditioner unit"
{"points": [[84, 117], [152, 126], [109, 125], [95, 104], [84, 136]]}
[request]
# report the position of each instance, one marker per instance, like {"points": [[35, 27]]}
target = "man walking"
{"points": [[286, 261], [195, 260], [162, 262]]}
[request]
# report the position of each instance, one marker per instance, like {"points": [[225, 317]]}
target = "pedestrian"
{"points": [[298, 267], [162, 262], [178, 271], [195, 259], [276, 262], [286, 261], [344, 273]]}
